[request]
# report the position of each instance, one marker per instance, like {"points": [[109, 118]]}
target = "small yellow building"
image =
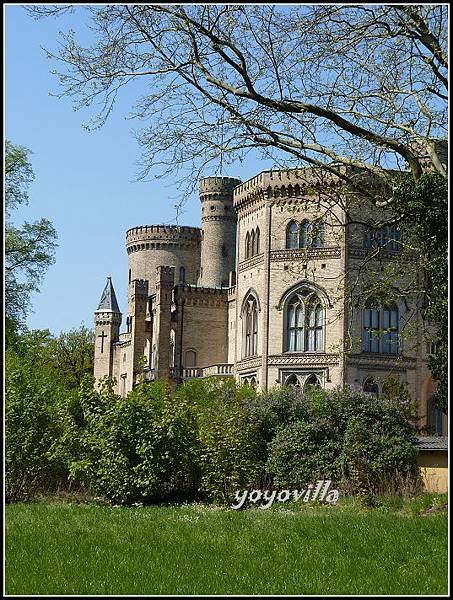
{"points": [[433, 462]]}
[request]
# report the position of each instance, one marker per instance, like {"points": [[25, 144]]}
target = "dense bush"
{"points": [[346, 436], [150, 446], [229, 438], [141, 448], [32, 428], [208, 439]]}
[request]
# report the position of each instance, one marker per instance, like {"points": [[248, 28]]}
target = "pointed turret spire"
{"points": [[108, 299]]}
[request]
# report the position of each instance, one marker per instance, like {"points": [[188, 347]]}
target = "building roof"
{"points": [[432, 442], [108, 300]]}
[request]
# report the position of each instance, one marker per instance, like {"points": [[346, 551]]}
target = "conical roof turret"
{"points": [[108, 302]]}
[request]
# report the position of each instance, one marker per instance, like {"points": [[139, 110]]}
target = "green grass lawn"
{"points": [[70, 548]]}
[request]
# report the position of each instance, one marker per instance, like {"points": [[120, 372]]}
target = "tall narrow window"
{"points": [[371, 324], [250, 324], [295, 326], [318, 235], [304, 239], [314, 327], [247, 245], [292, 235], [394, 238], [182, 274], [257, 241], [390, 333], [252, 243], [254, 331], [435, 424]]}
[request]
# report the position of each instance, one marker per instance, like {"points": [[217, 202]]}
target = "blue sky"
{"points": [[84, 181]]}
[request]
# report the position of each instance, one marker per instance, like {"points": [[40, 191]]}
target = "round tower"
{"points": [[218, 242], [152, 246]]}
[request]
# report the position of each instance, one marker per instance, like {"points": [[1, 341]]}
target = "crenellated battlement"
{"points": [[139, 287], [286, 184], [200, 296], [222, 185], [145, 237], [165, 275]]}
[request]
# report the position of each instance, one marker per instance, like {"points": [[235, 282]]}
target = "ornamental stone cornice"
{"points": [[305, 253], [249, 263], [304, 359], [359, 252], [381, 362], [251, 362]]}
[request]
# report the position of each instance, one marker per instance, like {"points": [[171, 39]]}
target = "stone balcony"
{"points": [[221, 369]]}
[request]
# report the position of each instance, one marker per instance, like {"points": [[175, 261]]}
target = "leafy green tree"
{"points": [[32, 427], [422, 207], [29, 249], [72, 355], [69, 356]]}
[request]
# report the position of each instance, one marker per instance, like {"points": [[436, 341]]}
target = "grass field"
{"points": [[70, 548]]}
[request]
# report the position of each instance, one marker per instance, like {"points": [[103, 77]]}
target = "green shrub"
{"points": [[141, 448], [346, 436], [32, 428], [229, 438]]}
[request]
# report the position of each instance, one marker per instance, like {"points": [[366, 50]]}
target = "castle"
{"points": [[264, 292]]}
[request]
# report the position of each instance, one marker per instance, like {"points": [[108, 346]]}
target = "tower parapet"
{"points": [[150, 246], [218, 217]]}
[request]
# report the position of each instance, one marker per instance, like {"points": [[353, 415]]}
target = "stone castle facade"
{"points": [[265, 291]]}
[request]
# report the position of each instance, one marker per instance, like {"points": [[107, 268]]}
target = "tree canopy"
{"points": [[29, 249], [324, 84]]}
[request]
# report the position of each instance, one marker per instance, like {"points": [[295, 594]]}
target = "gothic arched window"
{"points": [[293, 380], [247, 245], [371, 387], [312, 380], [250, 324], [252, 243], [257, 241], [304, 323], [292, 235]]}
